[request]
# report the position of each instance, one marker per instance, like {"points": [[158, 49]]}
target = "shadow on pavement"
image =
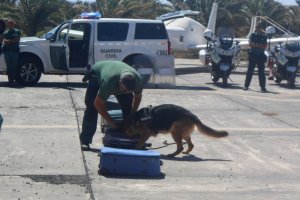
{"points": [[161, 176], [178, 87], [69, 85], [59, 85], [192, 158], [229, 85]]}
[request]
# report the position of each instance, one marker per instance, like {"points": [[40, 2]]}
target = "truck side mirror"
{"points": [[48, 36]]}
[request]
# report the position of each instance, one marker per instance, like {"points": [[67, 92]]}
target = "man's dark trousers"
{"points": [[11, 59], [90, 117], [259, 60]]}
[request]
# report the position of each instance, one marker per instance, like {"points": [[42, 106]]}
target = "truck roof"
{"points": [[117, 20]]}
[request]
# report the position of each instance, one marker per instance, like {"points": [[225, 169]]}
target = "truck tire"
{"points": [[29, 71], [142, 61]]}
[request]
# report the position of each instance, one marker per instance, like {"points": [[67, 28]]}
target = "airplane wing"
{"points": [[244, 42], [177, 14], [197, 47]]}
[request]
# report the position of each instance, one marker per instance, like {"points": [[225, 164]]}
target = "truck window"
{"points": [[62, 35], [112, 31], [150, 31], [79, 41]]}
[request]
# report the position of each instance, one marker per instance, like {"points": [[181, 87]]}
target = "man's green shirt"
{"points": [[108, 74], [10, 35]]}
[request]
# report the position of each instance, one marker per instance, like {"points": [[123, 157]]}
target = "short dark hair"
{"points": [[259, 26], [128, 80]]}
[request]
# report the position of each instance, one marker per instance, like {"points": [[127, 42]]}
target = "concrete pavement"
{"points": [[40, 156]]}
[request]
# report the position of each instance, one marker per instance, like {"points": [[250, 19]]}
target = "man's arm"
{"points": [[257, 45], [253, 44], [136, 102], [100, 106], [13, 41]]}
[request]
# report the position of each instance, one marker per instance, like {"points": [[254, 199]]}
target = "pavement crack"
{"points": [[88, 179]]}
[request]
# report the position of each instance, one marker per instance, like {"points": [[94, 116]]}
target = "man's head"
{"points": [[127, 82], [10, 23], [259, 27]]}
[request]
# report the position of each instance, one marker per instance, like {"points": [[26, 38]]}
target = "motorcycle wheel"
{"points": [[291, 80], [277, 79], [214, 78], [224, 76]]}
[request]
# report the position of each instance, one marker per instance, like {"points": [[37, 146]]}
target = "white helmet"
{"points": [[270, 30], [208, 34]]}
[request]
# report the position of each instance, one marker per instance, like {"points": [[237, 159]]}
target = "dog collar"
{"points": [[146, 114]]}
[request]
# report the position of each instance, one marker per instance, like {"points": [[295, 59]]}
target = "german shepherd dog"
{"points": [[167, 118]]}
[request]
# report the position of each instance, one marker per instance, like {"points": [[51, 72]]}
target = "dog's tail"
{"points": [[207, 130]]}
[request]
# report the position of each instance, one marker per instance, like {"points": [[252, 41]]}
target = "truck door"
{"points": [[79, 42], [71, 49], [59, 48]]}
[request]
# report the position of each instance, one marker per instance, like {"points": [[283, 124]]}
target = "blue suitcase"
{"points": [[128, 162], [118, 139], [116, 115]]}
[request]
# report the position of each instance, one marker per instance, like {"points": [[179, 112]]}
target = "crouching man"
{"points": [[109, 78]]}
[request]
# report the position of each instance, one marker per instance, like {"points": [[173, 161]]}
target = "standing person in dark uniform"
{"points": [[10, 48], [258, 44], [109, 78], [2, 29]]}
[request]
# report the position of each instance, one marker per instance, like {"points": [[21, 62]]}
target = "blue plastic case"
{"points": [[114, 161]]}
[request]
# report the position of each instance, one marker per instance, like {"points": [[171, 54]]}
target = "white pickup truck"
{"points": [[76, 44]]}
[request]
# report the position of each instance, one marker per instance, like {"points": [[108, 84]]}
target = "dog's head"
{"points": [[135, 124], [132, 124]]}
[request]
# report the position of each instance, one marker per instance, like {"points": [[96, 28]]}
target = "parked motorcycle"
{"points": [[284, 61], [221, 56]]}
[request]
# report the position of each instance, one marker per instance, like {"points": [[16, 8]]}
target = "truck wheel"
{"points": [[29, 71], [142, 62]]}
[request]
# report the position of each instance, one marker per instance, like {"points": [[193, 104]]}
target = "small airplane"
{"points": [[187, 35]]}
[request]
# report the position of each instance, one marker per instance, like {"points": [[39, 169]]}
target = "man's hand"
{"points": [[113, 124], [257, 45], [13, 41], [100, 106], [136, 102]]}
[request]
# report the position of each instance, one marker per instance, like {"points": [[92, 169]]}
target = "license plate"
{"points": [[215, 57], [291, 68], [281, 59], [224, 67]]}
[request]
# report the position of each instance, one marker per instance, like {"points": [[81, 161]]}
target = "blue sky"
{"points": [[287, 2]]}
